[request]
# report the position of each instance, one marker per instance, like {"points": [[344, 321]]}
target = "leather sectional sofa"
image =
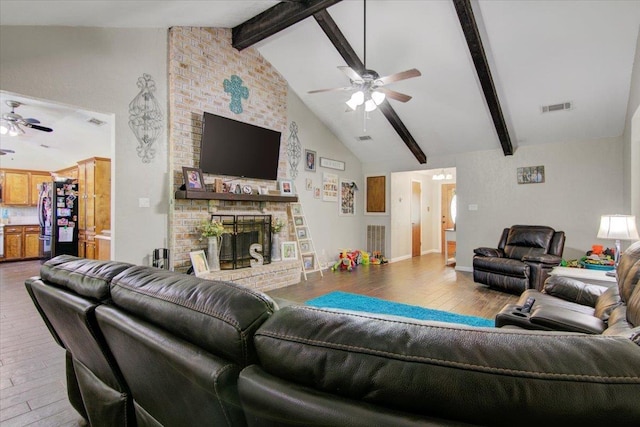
{"points": [[150, 347]]}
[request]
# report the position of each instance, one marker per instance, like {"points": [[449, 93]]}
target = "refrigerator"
{"points": [[58, 216]]}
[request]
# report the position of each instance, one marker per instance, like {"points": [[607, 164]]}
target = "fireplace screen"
{"points": [[241, 231]]}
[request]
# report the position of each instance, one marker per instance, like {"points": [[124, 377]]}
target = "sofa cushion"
{"points": [[479, 375], [528, 240], [606, 302], [218, 316], [490, 252], [573, 290], [501, 266], [85, 277], [628, 275]]}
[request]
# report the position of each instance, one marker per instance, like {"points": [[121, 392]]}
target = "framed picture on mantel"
{"points": [[193, 180]]}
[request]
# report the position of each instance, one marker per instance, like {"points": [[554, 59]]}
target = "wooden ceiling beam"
{"points": [[474, 42], [275, 19], [349, 55]]}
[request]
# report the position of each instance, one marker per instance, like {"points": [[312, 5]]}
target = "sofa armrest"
{"points": [[567, 320], [489, 252], [543, 258], [573, 290]]}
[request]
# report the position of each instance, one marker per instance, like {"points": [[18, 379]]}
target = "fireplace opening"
{"points": [[241, 231]]}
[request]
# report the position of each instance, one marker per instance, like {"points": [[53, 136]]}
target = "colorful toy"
{"points": [[365, 257], [346, 261]]}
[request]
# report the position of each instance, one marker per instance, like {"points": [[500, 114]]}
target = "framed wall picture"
{"points": [[193, 180], [296, 209], [305, 246], [199, 262], [347, 203], [329, 187], [289, 251], [308, 261], [286, 187], [332, 164], [310, 160], [530, 175], [302, 233], [316, 193], [298, 221]]}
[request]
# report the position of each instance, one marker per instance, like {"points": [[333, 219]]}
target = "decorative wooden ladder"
{"points": [[308, 256]]}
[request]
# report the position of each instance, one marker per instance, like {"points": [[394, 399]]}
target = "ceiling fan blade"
{"points": [[394, 95], [37, 127], [33, 121], [351, 74], [4, 151], [398, 76], [336, 89]]}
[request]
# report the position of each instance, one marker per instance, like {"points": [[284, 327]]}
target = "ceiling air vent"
{"points": [[363, 138], [557, 107], [96, 122]]}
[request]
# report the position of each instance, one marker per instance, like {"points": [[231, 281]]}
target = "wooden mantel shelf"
{"points": [[209, 195]]}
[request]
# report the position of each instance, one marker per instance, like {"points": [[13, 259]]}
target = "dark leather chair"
{"points": [[523, 259], [66, 295]]}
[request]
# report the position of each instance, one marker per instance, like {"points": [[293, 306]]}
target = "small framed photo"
{"points": [[296, 209], [289, 251], [286, 187], [302, 233], [305, 246], [309, 184], [298, 221], [310, 160], [316, 193], [199, 262], [307, 261], [193, 180]]}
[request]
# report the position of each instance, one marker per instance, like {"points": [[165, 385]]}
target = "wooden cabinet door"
{"points": [[102, 192], [36, 180], [16, 188], [31, 244], [82, 197], [90, 194], [13, 242]]}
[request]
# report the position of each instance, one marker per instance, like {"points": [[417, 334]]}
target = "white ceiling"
{"points": [[540, 52]]}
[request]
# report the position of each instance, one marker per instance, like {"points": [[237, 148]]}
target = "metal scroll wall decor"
{"points": [[294, 150], [145, 118], [238, 92]]}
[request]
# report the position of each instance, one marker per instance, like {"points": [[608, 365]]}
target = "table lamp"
{"points": [[618, 227]]}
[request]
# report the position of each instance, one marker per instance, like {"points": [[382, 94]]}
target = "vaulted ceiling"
{"points": [[488, 67]]}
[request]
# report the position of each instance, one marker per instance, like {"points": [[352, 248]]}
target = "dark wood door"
{"points": [[416, 226]]}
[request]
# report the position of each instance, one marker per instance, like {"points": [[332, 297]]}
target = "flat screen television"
{"points": [[234, 148]]}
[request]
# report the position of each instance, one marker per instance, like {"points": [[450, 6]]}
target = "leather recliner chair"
{"points": [[523, 259]]}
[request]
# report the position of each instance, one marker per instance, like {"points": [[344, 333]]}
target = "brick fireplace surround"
{"points": [[200, 59]]}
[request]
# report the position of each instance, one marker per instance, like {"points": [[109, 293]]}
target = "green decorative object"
{"points": [[234, 87]]}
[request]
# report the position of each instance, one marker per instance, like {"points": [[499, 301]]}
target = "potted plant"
{"points": [[276, 227], [212, 230]]}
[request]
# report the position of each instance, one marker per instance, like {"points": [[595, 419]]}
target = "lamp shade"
{"points": [[619, 227]]}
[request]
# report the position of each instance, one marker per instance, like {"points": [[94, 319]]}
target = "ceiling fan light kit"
{"points": [[12, 123], [368, 86]]}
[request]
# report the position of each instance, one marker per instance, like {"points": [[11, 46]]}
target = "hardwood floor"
{"points": [[32, 381]]}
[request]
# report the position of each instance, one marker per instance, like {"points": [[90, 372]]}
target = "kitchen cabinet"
{"points": [[12, 242], [69, 173], [16, 188], [22, 242], [94, 206], [37, 178], [21, 186]]}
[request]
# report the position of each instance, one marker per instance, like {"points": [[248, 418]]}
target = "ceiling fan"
{"points": [[12, 123], [368, 87], [5, 151]]}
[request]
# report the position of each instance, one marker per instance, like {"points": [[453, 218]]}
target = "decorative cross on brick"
{"points": [[237, 91]]}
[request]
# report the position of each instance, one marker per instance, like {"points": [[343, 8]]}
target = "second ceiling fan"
{"points": [[368, 87]]}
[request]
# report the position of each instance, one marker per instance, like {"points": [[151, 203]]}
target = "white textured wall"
{"points": [[632, 142], [330, 231], [583, 180], [97, 69]]}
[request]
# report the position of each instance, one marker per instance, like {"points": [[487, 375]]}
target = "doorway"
{"points": [[416, 225], [448, 192]]}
